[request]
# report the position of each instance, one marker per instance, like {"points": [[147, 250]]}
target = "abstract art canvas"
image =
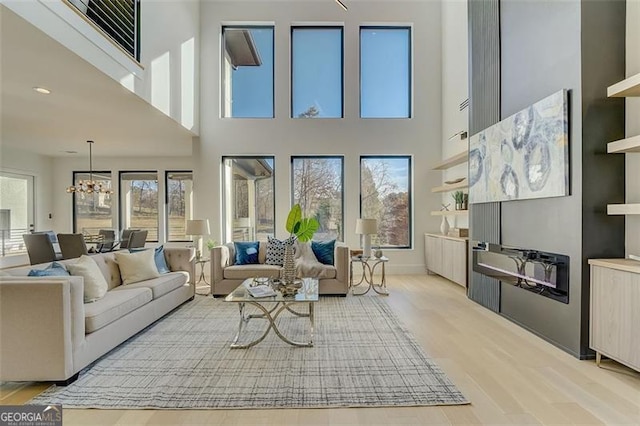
{"points": [[523, 156]]}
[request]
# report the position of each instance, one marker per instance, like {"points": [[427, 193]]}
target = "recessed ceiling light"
{"points": [[42, 90]]}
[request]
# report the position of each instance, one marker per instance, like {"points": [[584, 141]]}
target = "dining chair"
{"points": [[108, 240], [138, 239], [39, 248], [126, 237], [72, 245]]}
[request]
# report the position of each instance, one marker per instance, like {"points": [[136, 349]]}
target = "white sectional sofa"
{"points": [[48, 333]]}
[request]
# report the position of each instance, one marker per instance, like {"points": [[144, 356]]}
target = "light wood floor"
{"points": [[511, 376]]}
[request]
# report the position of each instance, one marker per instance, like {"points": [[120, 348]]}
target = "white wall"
{"points": [[455, 89], [41, 167], [420, 136], [167, 27], [633, 127]]}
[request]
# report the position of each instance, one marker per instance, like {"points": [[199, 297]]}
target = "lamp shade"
{"points": [[366, 226], [198, 227]]}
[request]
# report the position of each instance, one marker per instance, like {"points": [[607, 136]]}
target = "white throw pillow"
{"points": [[95, 285], [136, 267]]}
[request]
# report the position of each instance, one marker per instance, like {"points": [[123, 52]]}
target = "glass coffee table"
{"points": [[272, 307]]}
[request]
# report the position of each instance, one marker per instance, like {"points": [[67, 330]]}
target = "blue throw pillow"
{"points": [[54, 270], [158, 257], [246, 252], [324, 251]]}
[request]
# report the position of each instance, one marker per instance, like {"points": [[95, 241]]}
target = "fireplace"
{"points": [[546, 274]]}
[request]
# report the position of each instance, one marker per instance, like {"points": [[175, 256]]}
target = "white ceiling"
{"points": [[84, 103]]}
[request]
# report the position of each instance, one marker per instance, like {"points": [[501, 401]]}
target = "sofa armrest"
{"points": [[220, 259], [182, 259], [41, 327], [342, 263]]}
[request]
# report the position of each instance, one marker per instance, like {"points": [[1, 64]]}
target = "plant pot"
{"points": [[459, 206]]}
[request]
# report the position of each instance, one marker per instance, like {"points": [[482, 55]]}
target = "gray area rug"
{"points": [[362, 357]]}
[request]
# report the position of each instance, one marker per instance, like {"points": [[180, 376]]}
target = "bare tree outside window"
{"points": [[92, 212], [139, 202], [179, 208], [385, 195], [317, 187]]}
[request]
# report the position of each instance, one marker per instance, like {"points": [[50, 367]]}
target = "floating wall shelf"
{"points": [[463, 157], [623, 209], [452, 187], [631, 144], [626, 88]]}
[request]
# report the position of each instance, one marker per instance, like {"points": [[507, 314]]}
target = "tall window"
{"points": [[385, 195], [179, 199], [16, 211], [139, 202], [317, 187], [247, 75], [92, 212], [249, 207], [385, 72], [316, 72]]}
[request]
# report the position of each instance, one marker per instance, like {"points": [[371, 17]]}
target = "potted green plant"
{"points": [[458, 197], [300, 228]]}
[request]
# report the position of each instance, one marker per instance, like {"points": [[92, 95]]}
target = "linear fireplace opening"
{"points": [[543, 273]]}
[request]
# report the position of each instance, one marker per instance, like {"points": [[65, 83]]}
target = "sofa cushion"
{"points": [[246, 252], [55, 269], [162, 285], [324, 251], [158, 258], [136, 267], [109, 267], [314, 270], [95, 286], [307, 264], [275, 250], [114, 305], [240, 272]]}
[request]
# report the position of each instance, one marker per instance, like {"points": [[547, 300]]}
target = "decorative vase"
{"points": [[289, 265], [444, 226]]}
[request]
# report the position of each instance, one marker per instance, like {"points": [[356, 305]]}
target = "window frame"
{"points": [[409, 159], [223, 75], [31, 210], [291, 91], [223, 183], [74, 217], [121, 223], [409, 28], [329, 156], [166, 203]]}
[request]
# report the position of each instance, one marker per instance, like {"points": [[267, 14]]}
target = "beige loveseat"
{"points": [[48, 333], [226, 276]]}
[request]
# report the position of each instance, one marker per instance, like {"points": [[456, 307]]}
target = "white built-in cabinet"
{"points": [[629, 87], [447, 256], [614, 311], [614, 326]]}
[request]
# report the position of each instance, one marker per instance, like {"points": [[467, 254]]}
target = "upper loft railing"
{"points": [[119, 19]]}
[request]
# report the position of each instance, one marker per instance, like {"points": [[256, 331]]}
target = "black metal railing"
{"points": [[119, 19]]}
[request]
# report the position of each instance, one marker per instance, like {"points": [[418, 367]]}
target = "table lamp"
{"points": [[197, 228], [366, 227]]}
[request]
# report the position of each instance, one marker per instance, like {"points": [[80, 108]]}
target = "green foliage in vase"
{"points": [[300, 227], [458, 196], [211, 244]]}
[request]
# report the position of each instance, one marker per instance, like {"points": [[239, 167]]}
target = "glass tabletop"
{"points": [[308, 292]]}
